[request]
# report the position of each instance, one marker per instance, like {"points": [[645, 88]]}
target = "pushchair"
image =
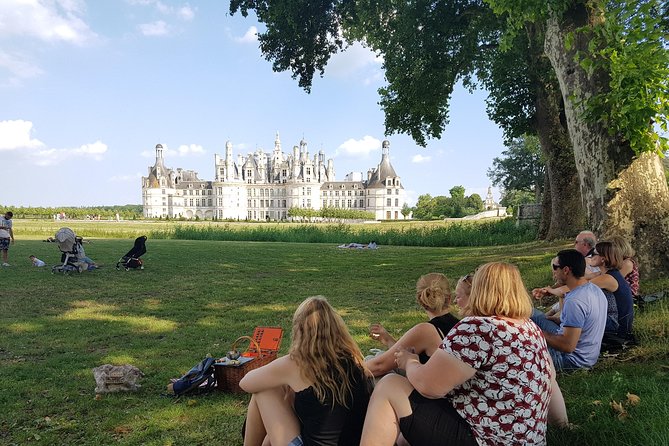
{"points": [[70, 247], [132, 258]]}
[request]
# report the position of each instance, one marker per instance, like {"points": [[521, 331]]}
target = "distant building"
{"points": [[264, 186]]}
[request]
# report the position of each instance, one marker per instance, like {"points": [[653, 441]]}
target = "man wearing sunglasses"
{"points": [[576, 342]]}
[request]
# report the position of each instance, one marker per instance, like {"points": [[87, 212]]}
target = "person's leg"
{"points": [[543, 322], [4, 256], [254, 432], [557, 410], [389, 403], [276, 415]]}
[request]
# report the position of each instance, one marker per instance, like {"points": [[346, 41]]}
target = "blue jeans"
{"points": [[297, 441], [539, 318], [560, 359]]}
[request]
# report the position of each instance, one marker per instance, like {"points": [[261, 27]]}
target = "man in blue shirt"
{"points": [[576, 342]]}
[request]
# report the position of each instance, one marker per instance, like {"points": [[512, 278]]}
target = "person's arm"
{"points": [[281, 371], [422, 338], [438, 376], [379, 333], [606, 282], [565, 342], [11, 233]]}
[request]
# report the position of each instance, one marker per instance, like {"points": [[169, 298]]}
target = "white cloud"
{"points": [[125, 178], [251, 36], [19, 67], [363, 146], [158, 28], [50, 157], [55, 20], [185, 12], [182, 151], [420, 159], [355, 59], [17, 135], [191, 149]]}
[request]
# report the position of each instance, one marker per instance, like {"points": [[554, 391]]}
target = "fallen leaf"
{"points": [[98, 396], [633, 399], [597, 403], [192, 402], [619, 409], [591, 416]]}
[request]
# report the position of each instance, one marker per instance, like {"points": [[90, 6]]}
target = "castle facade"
{"points": [[264, 186]]}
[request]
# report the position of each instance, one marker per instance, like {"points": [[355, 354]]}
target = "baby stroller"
{"points": [[132, 258], [70, 247]]}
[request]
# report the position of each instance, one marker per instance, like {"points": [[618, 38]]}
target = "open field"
{"points": [[196, 297]]}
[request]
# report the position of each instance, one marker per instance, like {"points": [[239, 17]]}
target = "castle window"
{"points": [[348, 203], [389, 202], [362, 203], [308, 191], [308, 203], [389, 191], [209, 202], [325, 203]]}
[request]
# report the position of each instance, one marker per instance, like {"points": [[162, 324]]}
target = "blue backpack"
{"points": [[201, 378]]}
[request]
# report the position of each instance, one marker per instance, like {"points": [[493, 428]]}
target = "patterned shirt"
{"points": [[633, 278], [506, 401]]}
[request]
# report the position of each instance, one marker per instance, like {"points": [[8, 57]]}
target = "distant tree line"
{"points": [[126, 212], [440, 207]]}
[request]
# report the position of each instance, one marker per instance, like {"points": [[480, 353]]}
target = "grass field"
{"points": [[197, 297]]}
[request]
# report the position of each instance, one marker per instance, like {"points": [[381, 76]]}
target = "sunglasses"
{"points": [[555, 267], [595, 253], [467, 278]]}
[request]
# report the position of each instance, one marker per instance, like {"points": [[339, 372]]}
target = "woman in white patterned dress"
{"points": [[491, 382]]}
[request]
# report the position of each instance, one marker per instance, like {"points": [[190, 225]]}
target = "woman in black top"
{"points": [[318, 393], [433, 294]]}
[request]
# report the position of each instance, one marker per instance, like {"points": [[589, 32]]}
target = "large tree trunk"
{"points": [[622, 194], [565, 217]]}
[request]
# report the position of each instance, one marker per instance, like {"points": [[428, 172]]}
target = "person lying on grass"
{"points": [[433, 294], [318, 393], [491, 382]]}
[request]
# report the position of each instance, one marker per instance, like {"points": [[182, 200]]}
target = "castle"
{"points": [[264, 186]]}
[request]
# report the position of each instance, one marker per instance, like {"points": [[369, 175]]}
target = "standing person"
{"points": [[433, 294], [315, 395], [490, 382], [6, 235]]}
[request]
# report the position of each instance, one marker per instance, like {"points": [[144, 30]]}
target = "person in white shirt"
{"points": [[37, 262], [6, 235]]}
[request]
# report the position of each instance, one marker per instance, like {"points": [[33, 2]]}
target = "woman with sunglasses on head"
{"points": [[490, 382], [609, 259], [433, 294]]}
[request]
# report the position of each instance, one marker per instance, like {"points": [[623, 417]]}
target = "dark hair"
{"points": [[10, 213], [574, 260]]}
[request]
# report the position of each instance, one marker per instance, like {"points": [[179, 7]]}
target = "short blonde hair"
{"points": [[433, 292], [498, 290], [623, 246]]}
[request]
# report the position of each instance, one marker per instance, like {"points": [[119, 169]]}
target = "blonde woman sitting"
{"points": [[491, 382], [434, 296], [318, 393]]}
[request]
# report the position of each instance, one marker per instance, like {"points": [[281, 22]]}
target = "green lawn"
{"points": [[196, 297]]}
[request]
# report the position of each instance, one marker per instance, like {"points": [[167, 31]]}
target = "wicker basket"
{"points": [[229, 375]]}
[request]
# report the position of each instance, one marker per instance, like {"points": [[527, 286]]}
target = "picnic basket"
{"points": [[263, 349]]}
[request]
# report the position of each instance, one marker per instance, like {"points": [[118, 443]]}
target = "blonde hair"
{"points": [[433, 292], [466, 282], [623, 246], [613, 257], [320, 341], [498, 290]]}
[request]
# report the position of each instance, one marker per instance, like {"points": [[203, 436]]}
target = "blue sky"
{"points": [[88, 88]]}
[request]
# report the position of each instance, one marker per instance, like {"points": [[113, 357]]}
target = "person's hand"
{"points": [[538, 293], [405, 355], [379, 333]]}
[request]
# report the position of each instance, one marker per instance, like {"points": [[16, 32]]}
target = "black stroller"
{"points": [[132, 258]]}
